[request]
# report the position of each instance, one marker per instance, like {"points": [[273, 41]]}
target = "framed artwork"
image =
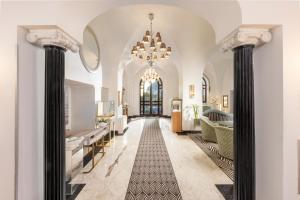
{"points": [[225, 101], [192, 91], [119, 98]]}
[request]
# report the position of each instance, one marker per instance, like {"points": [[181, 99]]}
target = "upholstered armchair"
{"points": [[225, 141], [208, 129], [217, 115], [205, 108]]}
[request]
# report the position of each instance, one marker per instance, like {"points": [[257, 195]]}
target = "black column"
{"points": [[244, 130], [54, 123]]}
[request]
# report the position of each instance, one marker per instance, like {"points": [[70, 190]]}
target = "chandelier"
{"points": [[151, 49], [150, 75]]}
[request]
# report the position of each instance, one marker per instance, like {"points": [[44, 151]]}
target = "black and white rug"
{"points": [[211, 149], [226, 191], [152, 175]]}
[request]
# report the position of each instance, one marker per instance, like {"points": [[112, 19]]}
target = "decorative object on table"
{"points": [[176, 118], [192, 91], [90, 51], [105, 108], [196, 115], [125, 109], [225, 101], [102, 121]]}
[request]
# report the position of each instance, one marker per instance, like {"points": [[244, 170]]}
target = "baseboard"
{"points": [[121, 134], [186, 132], [136, 116]]}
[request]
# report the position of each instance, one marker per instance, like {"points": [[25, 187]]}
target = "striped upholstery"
{"points": [[216, 115], [225, 141], [208, 130]]}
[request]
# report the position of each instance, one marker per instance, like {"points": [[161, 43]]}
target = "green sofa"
{"points": [[208, 129], [217, 115], [225, 141]]}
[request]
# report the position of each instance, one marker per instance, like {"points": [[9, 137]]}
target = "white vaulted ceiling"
{"points": [[190, 36]]}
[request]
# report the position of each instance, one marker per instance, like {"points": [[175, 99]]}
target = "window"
{"points": [[151, 98], [204, 89]]}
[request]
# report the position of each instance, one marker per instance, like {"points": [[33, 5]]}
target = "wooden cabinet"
{"points": [[176, 122], [176, 118]]}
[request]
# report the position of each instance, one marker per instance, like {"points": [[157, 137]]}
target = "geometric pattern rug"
{"points": [[152, 176], [226, 191], [212, 149]]}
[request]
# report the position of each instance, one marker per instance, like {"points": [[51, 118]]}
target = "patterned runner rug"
{"points": [[152, 175]]}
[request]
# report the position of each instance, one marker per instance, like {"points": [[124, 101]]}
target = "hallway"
{"points": [[195, 172]]}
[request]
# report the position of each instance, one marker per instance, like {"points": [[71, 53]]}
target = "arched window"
{"points": [[151, 98], [204, 89]]}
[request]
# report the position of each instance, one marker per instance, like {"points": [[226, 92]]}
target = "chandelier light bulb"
{"points": [[150, 75]]}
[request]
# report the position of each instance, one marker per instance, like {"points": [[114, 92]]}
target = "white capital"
{"points": [[245, 35], [51, 35]]}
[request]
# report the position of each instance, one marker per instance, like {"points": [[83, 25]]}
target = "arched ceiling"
{"points": [[117, 30]]}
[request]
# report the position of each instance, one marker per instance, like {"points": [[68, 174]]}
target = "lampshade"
{"points": [[146, 39], [152, 45], [163, 46], [142, 47], [138, 44], [158, 35], [134, 50], [148, 34], [169, 50], [158, 41]]}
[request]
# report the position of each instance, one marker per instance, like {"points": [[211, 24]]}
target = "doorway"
{"points": [[151, 98]]}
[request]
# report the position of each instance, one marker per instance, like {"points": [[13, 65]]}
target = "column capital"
{"points": [[51, 35], [247, 35]]}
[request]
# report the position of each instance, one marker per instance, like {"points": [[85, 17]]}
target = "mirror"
{"points": [[89, 50]]}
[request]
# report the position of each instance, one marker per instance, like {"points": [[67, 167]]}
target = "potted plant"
{"points": [[196, 115]]}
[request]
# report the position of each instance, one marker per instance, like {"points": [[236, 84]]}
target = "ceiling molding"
{"points": [[246, 35], [51, 35]]}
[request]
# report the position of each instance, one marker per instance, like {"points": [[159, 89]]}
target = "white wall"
{"points": [[83, 107], [76, 71], [268, 85], [286, 13], [30, 138], [219, 70]]}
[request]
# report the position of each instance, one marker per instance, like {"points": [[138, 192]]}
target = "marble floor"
{"points": [[195, 172]]}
